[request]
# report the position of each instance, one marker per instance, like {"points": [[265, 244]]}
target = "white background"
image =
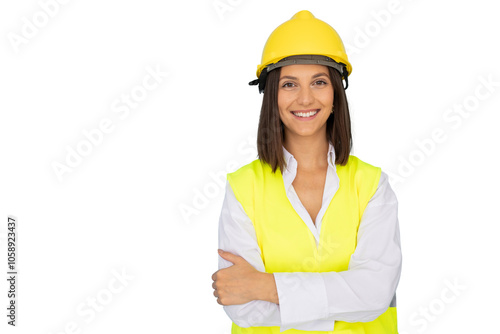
{"points": [[120, 208]]}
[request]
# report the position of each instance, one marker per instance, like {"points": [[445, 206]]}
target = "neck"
{"points": [[310, 152]]}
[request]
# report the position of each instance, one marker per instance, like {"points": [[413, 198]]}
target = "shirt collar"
{"points": [[291, 169]]}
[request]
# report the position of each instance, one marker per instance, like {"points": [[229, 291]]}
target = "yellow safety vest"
{"points": [[287, 244]]}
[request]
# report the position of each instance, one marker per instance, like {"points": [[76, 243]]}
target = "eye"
{"points": [[321, 82], [287, 84]]}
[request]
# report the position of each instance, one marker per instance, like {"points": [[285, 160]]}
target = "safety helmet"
{"points": [[303, 39]]}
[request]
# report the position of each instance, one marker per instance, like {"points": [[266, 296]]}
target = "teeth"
{"points": [[306, 114]]}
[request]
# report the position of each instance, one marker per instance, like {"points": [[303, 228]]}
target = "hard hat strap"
{"points": [[345, 74]]}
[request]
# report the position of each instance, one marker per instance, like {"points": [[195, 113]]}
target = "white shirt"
{"points": [[310, 300]]}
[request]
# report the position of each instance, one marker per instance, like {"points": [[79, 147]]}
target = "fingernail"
{"points": [[220, 251]]}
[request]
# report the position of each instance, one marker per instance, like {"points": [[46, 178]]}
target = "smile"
{"points": [[305, 114]]}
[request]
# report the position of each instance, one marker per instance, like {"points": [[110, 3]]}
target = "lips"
{"points": [[305, 113]]}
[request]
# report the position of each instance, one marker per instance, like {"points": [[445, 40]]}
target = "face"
{"points": [[305, 99]]}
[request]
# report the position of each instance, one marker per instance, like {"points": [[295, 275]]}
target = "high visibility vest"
{"points": [[287, 244]]}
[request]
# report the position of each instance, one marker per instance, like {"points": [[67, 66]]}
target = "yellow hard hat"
{"points": [[303, 35]]}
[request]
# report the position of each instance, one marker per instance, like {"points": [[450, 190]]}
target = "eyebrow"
{"points": [[313, 77]]}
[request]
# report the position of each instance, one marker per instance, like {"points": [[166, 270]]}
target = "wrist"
{"points": [[266, 289]]}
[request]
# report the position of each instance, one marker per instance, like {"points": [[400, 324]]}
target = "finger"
{"points": [[230, 256], [215, 293], [213, 285]]}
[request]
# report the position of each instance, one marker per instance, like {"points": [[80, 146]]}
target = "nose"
{"points": [[305, 96]]}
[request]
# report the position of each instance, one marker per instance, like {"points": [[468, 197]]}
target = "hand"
{"points": [[236, 284]]}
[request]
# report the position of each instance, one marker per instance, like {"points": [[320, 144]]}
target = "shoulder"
{"points": [[364, 176], [246, 176], [245, 181], [248, 170], [362, 168]]}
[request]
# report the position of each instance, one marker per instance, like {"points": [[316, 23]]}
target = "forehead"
{"points": [[303, 70]]}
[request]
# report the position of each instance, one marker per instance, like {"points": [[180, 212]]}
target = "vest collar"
{"points": [[291, 168]]}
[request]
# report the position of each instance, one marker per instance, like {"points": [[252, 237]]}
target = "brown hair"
{"points": [[270, 134]]}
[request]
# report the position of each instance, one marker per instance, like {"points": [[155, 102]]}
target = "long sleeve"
{"points": [[366, 289], [237, 235]]}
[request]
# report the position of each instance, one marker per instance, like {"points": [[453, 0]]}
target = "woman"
{"points": [[309, 233]]}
